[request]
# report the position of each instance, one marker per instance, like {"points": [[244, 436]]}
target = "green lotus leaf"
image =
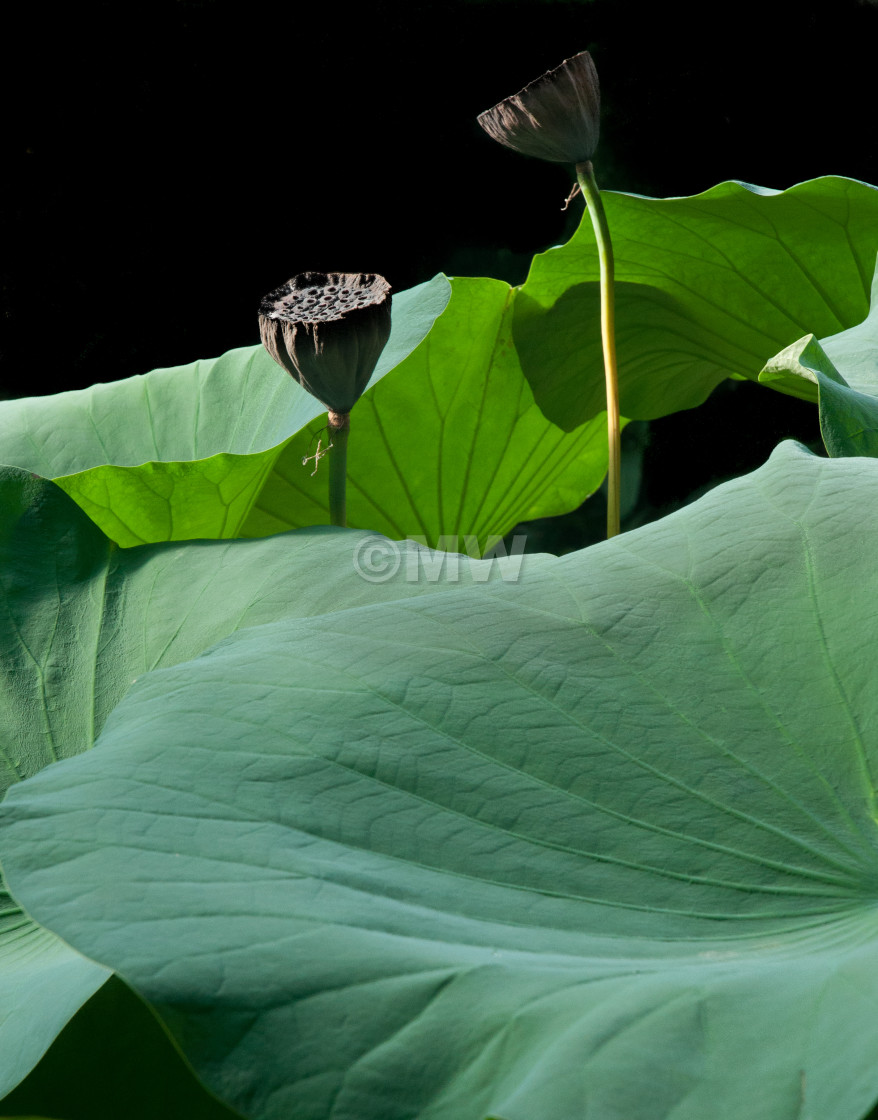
{"points": [[706, 287], [842, 371], [230, 447], [451, 445], [82, 619], [599, 842], [183, 453], [493, 416]]}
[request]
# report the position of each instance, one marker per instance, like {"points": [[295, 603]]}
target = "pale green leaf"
{"points": [[81, 620], [598, 843]]}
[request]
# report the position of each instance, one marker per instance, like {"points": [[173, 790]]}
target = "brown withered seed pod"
{"points": [[328, 330], [556, 118]]}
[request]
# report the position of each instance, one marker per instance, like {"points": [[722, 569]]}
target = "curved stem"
{"points": [[585, 178], [339, 429]]}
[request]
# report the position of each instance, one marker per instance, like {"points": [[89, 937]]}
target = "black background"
{"points": [[167, 163]]}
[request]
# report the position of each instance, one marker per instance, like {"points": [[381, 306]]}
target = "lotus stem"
{"points": [[591, 194], [339, 428]]}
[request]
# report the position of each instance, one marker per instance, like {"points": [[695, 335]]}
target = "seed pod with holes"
{"points": [[557, 117], [328, 330]]}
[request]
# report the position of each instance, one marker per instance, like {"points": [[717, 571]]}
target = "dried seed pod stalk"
{"points": [[328, 330], [556, 118]]}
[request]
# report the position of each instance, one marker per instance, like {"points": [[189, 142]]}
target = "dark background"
{"points": [[168, 162]]}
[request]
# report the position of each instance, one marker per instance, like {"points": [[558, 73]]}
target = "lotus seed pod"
{"points": [[328, 330], [556, 118]]}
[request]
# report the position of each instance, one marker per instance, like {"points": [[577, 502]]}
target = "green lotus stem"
{"points": [[339, 429], [591, 194]]}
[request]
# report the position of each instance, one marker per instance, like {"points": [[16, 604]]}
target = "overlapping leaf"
{"points": [[590, 844], [113, 1060], [706, 287], [842, 372], [80, 621]]}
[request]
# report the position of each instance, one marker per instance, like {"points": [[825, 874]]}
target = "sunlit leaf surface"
{"points": [[707, 287]]}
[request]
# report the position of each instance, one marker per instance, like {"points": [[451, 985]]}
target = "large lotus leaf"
{"points": [[843, 370], [600, 843], [451, 444], [706, 288], [183, 453], [81, 620], [218, 449]]}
